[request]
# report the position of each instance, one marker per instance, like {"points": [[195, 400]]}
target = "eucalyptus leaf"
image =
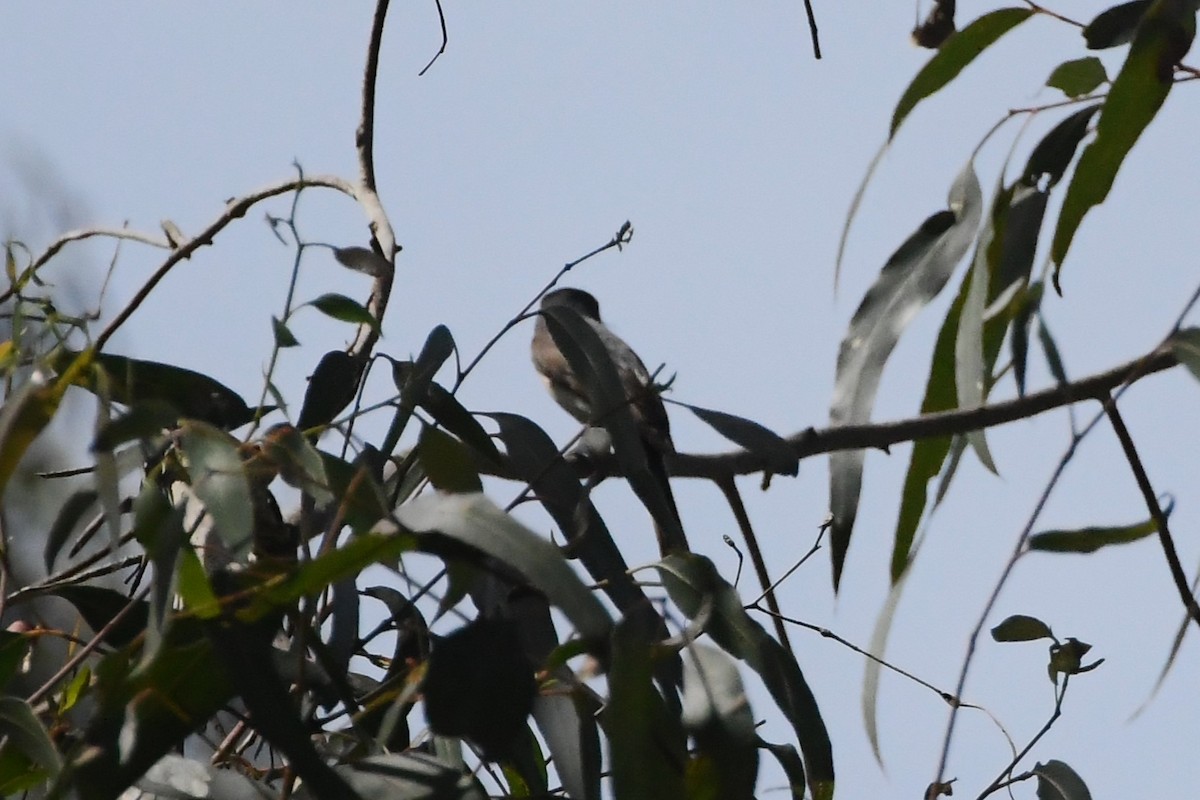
{"points": [[21, 727], [474, 520], [954, 55], [343, 309], [1115, 26], [1021, 628], [1078, 77], [696, 587], [1054, 153], [569, 726], [219, 480], [778, 456], [913, 276], [1091, 539], [362, 259], [1057, 781], [131, 381], [1139, 90], [283, 335], [331, 388]]}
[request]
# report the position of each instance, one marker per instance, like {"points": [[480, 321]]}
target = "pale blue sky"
{"points": [[735, 155]]}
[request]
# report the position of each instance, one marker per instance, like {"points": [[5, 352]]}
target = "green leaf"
{"points": [[283, 335], [1185, 344], [913, 276], [954, 55], [1016, 225], [1053, 154], [1137, 93], [412, 380], [716, 712], [696, 587], [195, 591], [69, 514], [1019, 343], [99, 606], [1057, 781], [1089, 540], [361, 499], [646, 757], [447, 462], [330, 389], [412, 776], [13, 649], [297, 461], [778, 456], [21, 726], [132, 381], [362, 259], [1115, 26], [569, 726], [158, 528], [971, 374], [1050, 349], [479, 685], [343, 309], [75, 689], [928, 455], [476, 521], [534, 458], [219, 480], [312, 577], [450, 414], [1021, 628], [1078, 77], [144, 421], [792, 766], [24, 415]]}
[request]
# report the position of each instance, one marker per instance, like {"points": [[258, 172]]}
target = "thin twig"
{"points": [[234, 209], [812, 28], [1156, 512], [445, 40], [728, 487], [1000, 782], [87, 649], [87, 233], [949, 698], [620, 239]]}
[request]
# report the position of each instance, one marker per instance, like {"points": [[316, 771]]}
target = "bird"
{"points": [[645, 404]]}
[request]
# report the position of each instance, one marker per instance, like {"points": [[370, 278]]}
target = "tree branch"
{"points": [[812, 441], [234, 209], [1156, 511], [368, 196]]}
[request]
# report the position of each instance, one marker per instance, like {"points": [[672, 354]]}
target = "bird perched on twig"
{"points": [[637, 383]]}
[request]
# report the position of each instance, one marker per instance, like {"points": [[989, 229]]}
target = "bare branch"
{"points": [[1156, 511], [368, 196], [445, 39], [811, 442], [234, 209], [812, 28], [728, 487]]}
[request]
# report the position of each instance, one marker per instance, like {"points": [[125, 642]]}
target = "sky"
{"points": [[735, 155]]}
